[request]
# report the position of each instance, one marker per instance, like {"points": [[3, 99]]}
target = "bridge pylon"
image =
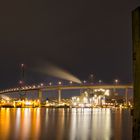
{"points": [[59, 96], [40, 95], [126, 96]]}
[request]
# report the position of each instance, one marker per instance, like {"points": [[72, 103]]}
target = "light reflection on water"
{"points": [[91, 124], [64, 124]]}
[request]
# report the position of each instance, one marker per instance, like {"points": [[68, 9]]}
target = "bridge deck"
{"points": [[66, 87]]}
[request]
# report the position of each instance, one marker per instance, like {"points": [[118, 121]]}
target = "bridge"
{"points": [[40, 88]]}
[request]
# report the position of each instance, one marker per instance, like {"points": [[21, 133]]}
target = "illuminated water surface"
{"points": [[64, 124]]}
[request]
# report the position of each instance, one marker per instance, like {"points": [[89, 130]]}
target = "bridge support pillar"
{"points": [[40, 96], [114, 91], [126, 96], [59, 96]]}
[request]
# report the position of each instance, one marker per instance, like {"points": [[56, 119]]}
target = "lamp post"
{"points": [[22, 82], [50, 84], [59, 92], [116, 81], [100, 81], [84, 82], [59, 83], [22, 72]]}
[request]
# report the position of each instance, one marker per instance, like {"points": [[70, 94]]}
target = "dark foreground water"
{"points": [[64, 124]]}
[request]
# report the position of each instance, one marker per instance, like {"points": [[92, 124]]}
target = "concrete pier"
{"points": [[40, 95], [136, 72], [59, 96], [126, 96]]}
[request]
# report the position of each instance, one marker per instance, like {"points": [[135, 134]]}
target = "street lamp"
{"points": [[100, 81], [22, 65], [50, 83], [59, 83], [20, 82], [41, 84], [116, 81], [84, 82], [22, 73]]}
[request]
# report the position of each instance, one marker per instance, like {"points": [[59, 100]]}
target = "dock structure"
{"points": [[136, 72]]}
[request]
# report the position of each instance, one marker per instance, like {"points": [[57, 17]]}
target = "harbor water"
{"points": [[65, 124]]}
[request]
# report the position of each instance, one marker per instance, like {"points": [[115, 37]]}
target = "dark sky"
{"points": [[81, 36]]}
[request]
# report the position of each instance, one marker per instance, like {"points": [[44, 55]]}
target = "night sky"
{"points": [[80, 36]]}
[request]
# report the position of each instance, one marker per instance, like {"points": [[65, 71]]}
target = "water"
{"points": [[64, 124]]}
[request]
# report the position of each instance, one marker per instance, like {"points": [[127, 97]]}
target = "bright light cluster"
{"points": [[88, 100], [20, 103]]}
